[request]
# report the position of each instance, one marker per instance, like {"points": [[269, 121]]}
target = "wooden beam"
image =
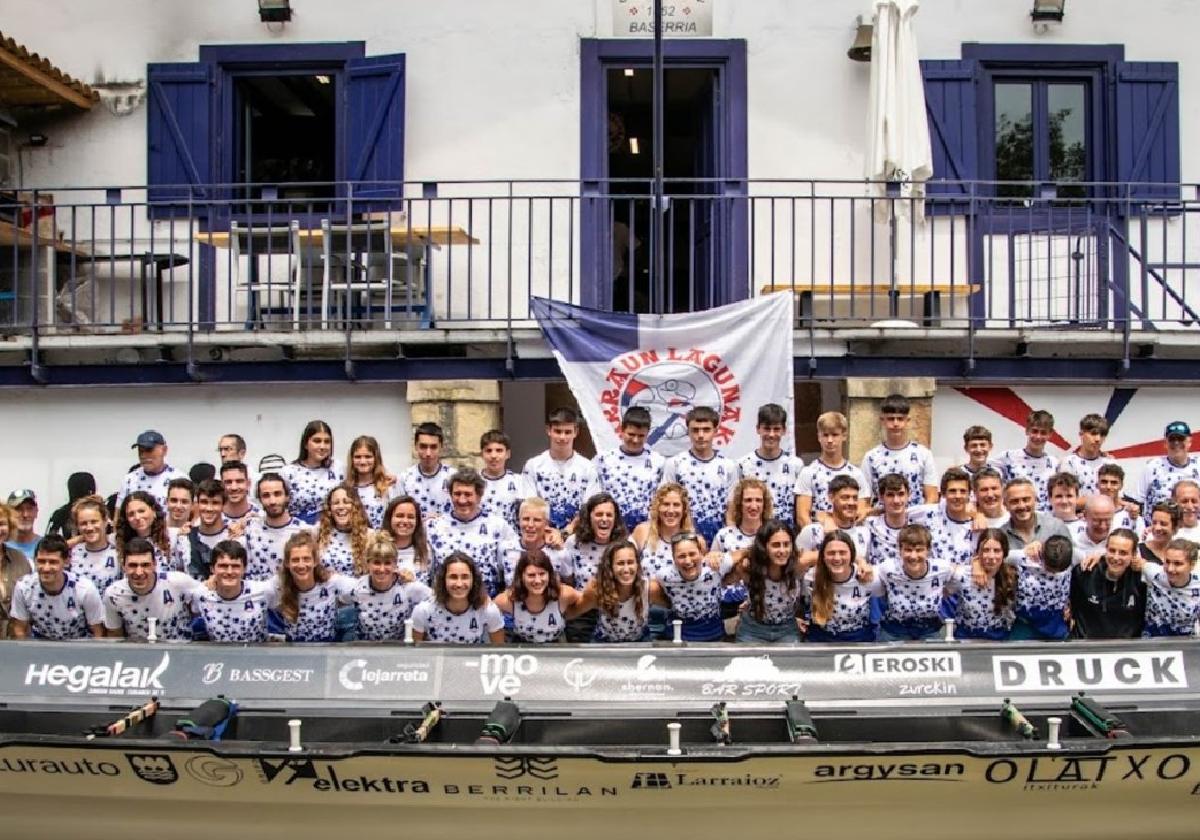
{"points": [[64, 91]]}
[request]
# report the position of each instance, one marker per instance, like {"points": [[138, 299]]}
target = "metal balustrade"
{"points": [[462, 255]]}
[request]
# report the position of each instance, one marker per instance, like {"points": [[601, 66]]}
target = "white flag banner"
{"points": [[732, 358]]}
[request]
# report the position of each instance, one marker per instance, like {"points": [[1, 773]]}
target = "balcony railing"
{"points": [[466, 255]]}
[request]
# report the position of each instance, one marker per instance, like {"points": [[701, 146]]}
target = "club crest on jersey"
{"points": [[670, 383]]}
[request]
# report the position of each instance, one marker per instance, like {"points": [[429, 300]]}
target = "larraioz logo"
{"points": [[155, 768], [327, 780], [670, 383], [660, 781], [518, 766]]}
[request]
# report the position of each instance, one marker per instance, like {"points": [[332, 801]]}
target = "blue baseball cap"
{"points": [[1177, 428], [149, 439]]}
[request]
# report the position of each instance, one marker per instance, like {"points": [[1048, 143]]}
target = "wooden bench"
{"points": [[930, 293]]}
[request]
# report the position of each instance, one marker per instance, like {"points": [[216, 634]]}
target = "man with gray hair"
{"points": [[1027, 529], [1186, 494]]}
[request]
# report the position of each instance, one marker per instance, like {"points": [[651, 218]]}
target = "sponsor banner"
{"points": [[1091, 671], [399, 675]]}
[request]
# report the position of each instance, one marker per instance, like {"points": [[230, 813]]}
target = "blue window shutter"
{"points": [[1147, 129], [953, 129], [179, 137], [375, 125]]}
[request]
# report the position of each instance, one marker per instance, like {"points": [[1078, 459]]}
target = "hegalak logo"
{"points": [[99, 679]]}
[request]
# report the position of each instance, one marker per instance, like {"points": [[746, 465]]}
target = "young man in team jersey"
{"points": [[1032, 461], [951, 523], [560, 475], [426, 480], [235, 609], [910, 607], [845, 505], [238, 507], [812, 486], [707, 475], [468, 530], [153, 473], [977, 443], [144, 593], [52, 602], [631, 472], [769, 463], [884, 528], [1063, 489], [503, 489], [192, 550], [1110, 479], [265, 535], [181, 504], [1186, 494], [988, 487], [1087, 459], [899, 455], [1161, 474]]}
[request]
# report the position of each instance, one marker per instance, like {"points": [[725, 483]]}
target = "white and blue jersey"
{"points": [[471, 627], [170, 602], [952, 540], [973, 608], [316, 614], [728, 540], [100, 567], [309, 486], [1017, 463], [1170, 610], [912, 461], [431, 491], [502, 497], [631, 480], [584, 560], [1042, 598], [852, 619], [264, 547], [337, 554], [1159, 477], [780, 474], [814, 480], [374, 503], [565, 485], [910, 608], [511, 550], [656, 558], [540, 627], [480, 538], [155, 485], [781, 603], [708, 483], [65, 614], [811, 536], [240, 619], [885, 540], [631, 622], [698, 601], [1087, 470], [381, 613]]}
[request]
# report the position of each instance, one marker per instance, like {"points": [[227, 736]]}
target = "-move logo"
{"points": [[501, 673], [116, 678]]}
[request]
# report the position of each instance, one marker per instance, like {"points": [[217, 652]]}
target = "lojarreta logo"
{"points": [[670, 383]]}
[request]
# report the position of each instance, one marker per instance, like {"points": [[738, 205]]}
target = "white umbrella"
{"points": [[897, 128]]}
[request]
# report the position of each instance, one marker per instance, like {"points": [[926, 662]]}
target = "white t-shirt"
{"points": [[815, 477], [1017, 463], [1159, 477], [913, 461], [100, 567], [309, 486], [239, 619], [1087, 470], [155, 485], [913, 601], [67, 614], [170, 601], [480, 538], [1170, 610], [316, 615], [374, 503], [381, 614], [851, 602], [631, 480], [432, 492], [708, 483], [564, 485], [538, 627], [780, 474], [698, 599], [264, 546], [338, 553], [471, 627], [502, 496]]}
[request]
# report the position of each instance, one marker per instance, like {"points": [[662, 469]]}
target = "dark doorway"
{"points": [[705, 234]]}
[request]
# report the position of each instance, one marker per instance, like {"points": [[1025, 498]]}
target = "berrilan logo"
{"points": [[98, 679]]}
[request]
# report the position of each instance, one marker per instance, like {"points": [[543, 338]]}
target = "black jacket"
{"points": [[1107, 609]]}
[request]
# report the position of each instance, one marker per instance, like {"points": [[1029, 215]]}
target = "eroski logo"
{"points": [[116, 678]]}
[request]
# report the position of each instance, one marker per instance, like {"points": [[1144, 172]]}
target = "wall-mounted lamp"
{"points": [[1047, 13], [860, 50], [274, 11]]}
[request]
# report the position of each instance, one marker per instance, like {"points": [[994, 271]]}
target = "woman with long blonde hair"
{"points": [[670, 513], [367, 475], [343, 532]]}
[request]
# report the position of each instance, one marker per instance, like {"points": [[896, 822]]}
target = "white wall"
{"points": [[51, 433]]}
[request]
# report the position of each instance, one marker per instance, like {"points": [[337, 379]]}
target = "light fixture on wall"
{"points": [[860, 50], [634, 147], [274, 11], [1047, 13]]}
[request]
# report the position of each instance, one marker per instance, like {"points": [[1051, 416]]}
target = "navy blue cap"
{"points": [[149, 439]]}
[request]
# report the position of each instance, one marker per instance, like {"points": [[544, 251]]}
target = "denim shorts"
{"points": [[751, 629]]}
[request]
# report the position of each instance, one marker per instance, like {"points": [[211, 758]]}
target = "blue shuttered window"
{"points": [[179, 136], [950, 104], [1148, 129], [375, 125]]}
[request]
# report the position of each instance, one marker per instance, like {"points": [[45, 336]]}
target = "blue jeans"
{"points": [[752, 630]]}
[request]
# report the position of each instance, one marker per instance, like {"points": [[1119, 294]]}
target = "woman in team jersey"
{"points": [[460, 611], [691, 588], [749, 507], [403, 522], [314, 472], [369, 478], [770, 571], [343, 532], [670, 513], [140, 516], [93, 554], [305, 593], [839, 594], [384, 597], [537, 601], [600, 524], [982, 597], [1164, 522], [620, 594]]}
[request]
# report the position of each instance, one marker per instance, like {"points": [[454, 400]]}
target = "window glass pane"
{"points": [[1067, 111], [1014, 137]]}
